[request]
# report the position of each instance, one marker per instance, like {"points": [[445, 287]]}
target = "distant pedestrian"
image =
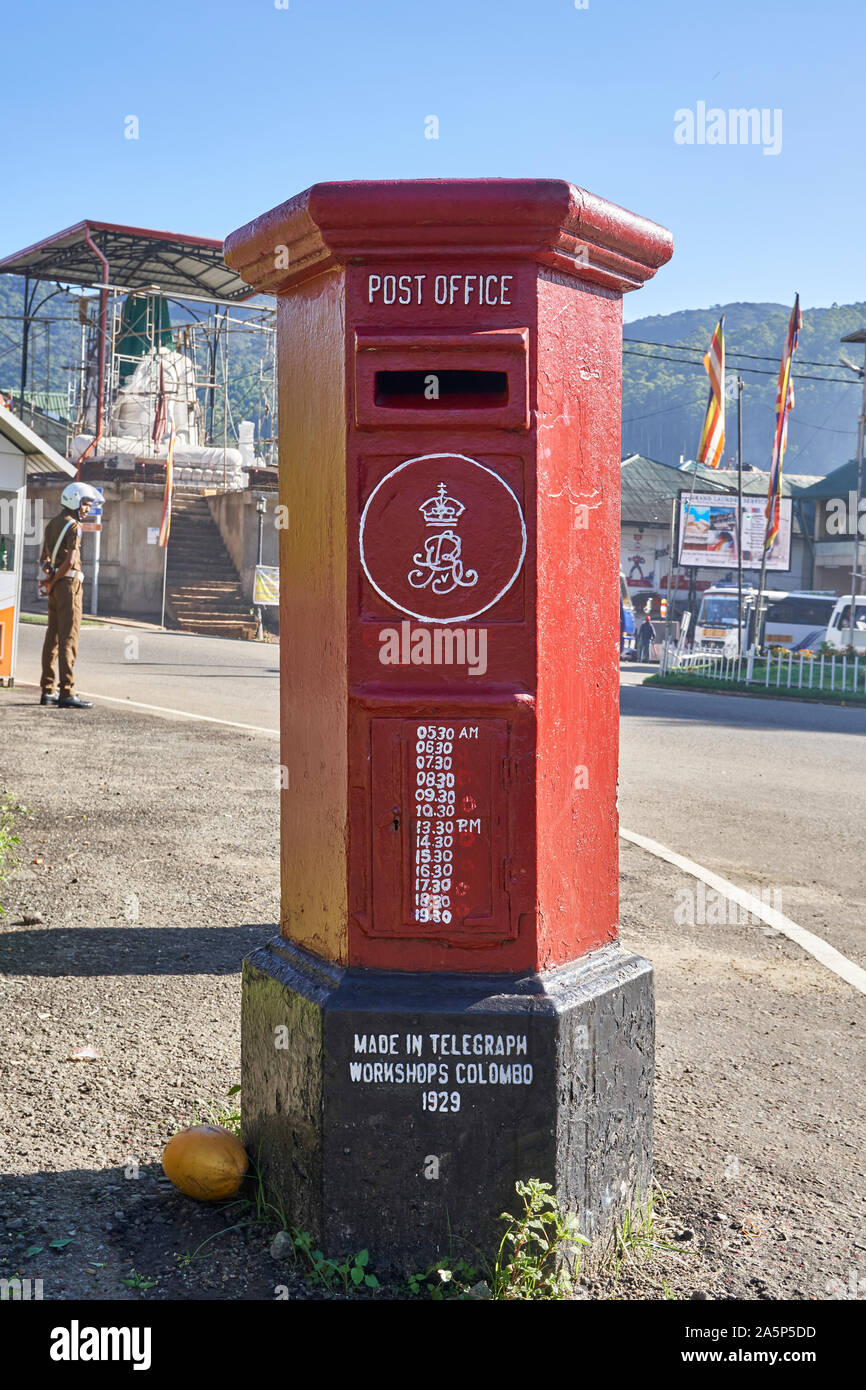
{"points": [[646, 634], [62, 584]]}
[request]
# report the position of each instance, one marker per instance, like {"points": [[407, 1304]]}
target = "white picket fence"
{"points": [[785, 670]]}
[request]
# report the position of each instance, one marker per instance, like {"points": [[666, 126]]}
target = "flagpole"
{"points": [[164, 573], [784, 403], [165, 524], [713, 433], [855, 566], [759, 616], [670, 614], [693, 577], [740, 385]]}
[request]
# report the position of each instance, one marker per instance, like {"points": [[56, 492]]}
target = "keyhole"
{"points": [[396, 821]]}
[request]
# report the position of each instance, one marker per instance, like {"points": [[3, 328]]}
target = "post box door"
{"points": [[440, 829]]}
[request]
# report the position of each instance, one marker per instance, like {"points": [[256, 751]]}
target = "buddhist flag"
{"points": [[165, 524], [784, 405], [713, 434]]}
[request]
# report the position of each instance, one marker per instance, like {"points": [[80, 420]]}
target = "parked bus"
{"points": [[796, 620]]}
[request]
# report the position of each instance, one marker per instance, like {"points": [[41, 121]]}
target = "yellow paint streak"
{"points": [[313, 690]]}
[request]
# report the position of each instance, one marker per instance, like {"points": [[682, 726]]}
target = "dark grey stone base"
{"points": [[417, 1165]]}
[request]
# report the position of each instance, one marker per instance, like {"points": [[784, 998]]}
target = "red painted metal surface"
{"points": [[453, 550]]}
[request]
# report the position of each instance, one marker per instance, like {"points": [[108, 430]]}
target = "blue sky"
{"points": [[241, 104]]}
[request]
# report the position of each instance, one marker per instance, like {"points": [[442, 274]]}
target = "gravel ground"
{"points": [[152, 889]]}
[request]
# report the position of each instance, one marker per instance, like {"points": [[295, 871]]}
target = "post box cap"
{"points": [[548, 221]]}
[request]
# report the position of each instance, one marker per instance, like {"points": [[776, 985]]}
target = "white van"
{"points": [[839, 627]]}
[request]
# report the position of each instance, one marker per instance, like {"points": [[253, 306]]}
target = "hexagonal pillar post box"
{"points": [[448, 1008]]}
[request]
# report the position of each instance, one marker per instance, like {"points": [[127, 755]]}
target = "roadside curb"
{"points": [[143, 627], [657, 684]]}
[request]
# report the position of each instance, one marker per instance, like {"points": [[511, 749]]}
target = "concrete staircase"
{"points": [[203, 593]]}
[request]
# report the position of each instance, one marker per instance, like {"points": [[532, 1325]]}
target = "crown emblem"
{"points": [[441, 510]]}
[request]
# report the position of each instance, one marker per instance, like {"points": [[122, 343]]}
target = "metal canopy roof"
{"points": [[138, 259], [39, 456]]}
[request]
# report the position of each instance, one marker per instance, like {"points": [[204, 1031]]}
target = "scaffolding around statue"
{"points": [[140, 336]]}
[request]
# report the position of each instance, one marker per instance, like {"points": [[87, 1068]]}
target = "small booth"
{"points": [[22, 452]]}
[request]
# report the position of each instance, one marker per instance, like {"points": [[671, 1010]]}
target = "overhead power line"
{"points": [[754, 371], [668, 410], [730, 352]]}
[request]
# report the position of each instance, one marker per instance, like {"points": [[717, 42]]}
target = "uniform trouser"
{"points": [[65, 603]]}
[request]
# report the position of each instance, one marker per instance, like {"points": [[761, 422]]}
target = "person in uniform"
{"points": [[63, 584]]}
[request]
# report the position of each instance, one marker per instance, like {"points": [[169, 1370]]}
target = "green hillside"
{"points": [[664, 401]]}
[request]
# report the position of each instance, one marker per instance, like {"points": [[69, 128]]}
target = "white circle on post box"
{"points": [[442, 538]]}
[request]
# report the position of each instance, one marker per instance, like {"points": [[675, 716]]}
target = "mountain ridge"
{"points": [[664, 401]]}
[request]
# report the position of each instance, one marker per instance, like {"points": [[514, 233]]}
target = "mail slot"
{"points": [[473, 380], [449, 379], [452, 388]]}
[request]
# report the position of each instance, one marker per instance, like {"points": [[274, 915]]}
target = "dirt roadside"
{"points": [[150, 851]]}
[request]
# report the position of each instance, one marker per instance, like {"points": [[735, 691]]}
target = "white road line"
{"points": [[826, 954], [180, 713]]}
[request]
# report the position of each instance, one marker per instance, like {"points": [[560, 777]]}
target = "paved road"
{"points": [[225, 679], [758, 1135], [769, 793]]}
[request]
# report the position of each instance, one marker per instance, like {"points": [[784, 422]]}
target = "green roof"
{"points": [[648, 487], [836, 484], [755, 481]]}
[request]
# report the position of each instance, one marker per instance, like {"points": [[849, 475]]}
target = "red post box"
{"points": [[448, 1008]]}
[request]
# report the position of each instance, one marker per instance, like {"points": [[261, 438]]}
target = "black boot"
{"points": [[49, 699], [73, 702]]}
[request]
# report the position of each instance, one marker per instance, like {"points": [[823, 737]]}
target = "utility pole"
{"points": [[25, 340], [858, 337], [261, 508], [740, 388]]}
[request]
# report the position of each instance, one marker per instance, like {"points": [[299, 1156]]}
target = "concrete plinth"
{"points": [[396, 1110]]}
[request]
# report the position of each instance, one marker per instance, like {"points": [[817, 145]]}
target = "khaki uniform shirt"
{"points": [[69, 546]]}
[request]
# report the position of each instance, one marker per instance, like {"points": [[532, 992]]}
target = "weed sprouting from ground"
{"points": [[537, 1257], [640, 1236], [218, 1113], [8, 839]]}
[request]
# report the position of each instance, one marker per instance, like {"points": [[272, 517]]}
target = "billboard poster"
{"points": [[709, 533], [266, 590]]}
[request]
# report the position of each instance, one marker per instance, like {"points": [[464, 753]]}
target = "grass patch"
{"points": [[41, 620], [218, 1113], [641, 1242], [8, 839], [688, 681]]}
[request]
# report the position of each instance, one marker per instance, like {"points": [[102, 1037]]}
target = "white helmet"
{"points": [[74, 494]]}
